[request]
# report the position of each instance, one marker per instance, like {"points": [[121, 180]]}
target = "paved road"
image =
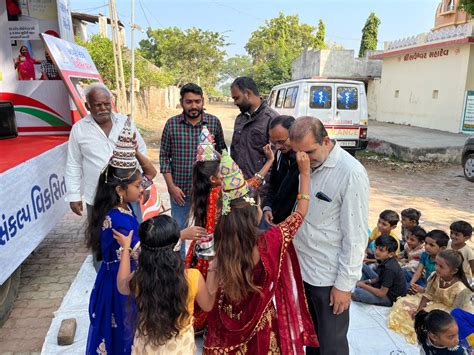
{"points": [[439, 191]]}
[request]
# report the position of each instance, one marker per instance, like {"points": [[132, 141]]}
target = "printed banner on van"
{"points": [[75, 66], [468, 113], [37, 188]]}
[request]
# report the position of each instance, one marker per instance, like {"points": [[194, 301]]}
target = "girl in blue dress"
{"points": [[110, 332]]}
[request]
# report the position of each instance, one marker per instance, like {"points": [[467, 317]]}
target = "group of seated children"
{"points": [[423, 271]]}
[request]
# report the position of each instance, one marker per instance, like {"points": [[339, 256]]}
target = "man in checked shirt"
{"points": [[179, 143]]}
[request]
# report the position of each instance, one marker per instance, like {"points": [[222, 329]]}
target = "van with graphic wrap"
{"points": [[340, 104], [36, 118]]}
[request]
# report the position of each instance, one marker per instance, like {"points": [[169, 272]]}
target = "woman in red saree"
{"points": [[205, 207], [25, 65], [260, 304]]}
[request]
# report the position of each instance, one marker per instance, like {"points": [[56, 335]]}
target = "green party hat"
{"points": [[234, 185]]}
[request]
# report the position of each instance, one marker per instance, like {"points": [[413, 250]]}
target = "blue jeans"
{"points": [[180, 214], [364, 296]]}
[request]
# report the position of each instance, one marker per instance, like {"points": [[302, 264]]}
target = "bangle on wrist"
{"points": [[301, 196], [259, 176], [122, 249]]}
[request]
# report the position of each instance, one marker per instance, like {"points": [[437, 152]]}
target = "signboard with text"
{"points": [[75, 67], [38, 196], [468, 112]]}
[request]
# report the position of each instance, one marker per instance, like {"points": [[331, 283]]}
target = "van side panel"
{"points": [[341, 106]]}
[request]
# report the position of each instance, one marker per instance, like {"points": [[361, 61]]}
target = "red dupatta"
{"points": [[250, 326], [295, 326], [200, 317]]}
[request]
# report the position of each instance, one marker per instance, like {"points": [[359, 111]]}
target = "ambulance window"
{"points": [[290, 97], [320, 97], [347, 98], [280, 96], [271, 98]]}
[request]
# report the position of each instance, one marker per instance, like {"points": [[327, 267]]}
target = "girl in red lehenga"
{"points": [[260, 305], [205, 202]]}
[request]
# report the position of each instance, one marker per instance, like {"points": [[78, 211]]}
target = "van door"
{"points": [[347, 104], [321, 102], [290, 101]]}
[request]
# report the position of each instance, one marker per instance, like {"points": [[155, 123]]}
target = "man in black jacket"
{"points": [[250, 129], [284, 178]]}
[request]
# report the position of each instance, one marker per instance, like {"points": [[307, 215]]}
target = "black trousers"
{"points": [[331, 329]]}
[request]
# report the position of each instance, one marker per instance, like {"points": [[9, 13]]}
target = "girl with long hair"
{"points": [[447, 288], [260, 306], [206, 196], [120, 183], [117, 188], [163, 290]]}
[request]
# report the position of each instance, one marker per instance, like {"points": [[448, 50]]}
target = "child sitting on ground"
{"points": [[386, 224], [414, 247], [447, 288], [461, 232], [410, 218], [437, 333], [435, 241], [384, 285]]}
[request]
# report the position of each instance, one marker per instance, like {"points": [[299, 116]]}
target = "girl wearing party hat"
{"points": [[260, 306], [205, 201], [119, 184]]}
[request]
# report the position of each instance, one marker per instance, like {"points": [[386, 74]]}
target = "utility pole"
{"points": [[134, 27], [118, 63], [132, 76]]}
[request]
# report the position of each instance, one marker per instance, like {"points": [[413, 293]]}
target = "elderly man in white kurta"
{"points": [[91, 144]]}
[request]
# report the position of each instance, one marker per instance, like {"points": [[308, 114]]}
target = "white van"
{"points": [[340, 104]]}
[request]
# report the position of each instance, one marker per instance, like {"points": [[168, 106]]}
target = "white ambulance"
{"points": [[340, 104]]}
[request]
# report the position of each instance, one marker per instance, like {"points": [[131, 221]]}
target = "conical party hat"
{"points": [[205, 149], [233, 183], [124, 151]]}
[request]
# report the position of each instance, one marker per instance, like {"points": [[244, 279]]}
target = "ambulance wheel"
{"points": [[8, 293]]}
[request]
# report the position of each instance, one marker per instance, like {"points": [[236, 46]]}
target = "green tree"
{"points": [[234, 67], [275, 45], [467, 5], [101, 51], [320, 36], [192, 55], [369, 34]]}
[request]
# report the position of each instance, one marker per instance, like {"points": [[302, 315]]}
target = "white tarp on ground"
{"points": [[368, 333]]}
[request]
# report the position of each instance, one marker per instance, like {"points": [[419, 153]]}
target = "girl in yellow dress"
{"points": [[163, 289], [447, 288]]}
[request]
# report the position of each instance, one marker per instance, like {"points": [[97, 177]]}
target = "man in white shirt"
{"points": [[331, 242], [91, 144]]}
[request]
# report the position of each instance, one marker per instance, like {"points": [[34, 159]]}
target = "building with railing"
{"points": [[428, 79]]}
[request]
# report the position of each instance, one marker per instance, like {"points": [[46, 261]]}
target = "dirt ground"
{"points": [[439, 191]]}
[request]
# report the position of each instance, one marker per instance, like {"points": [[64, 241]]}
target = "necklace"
{"points": [[125, 211], [446, 284]]}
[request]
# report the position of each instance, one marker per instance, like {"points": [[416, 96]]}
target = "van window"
{"points": [[347, 98], [320, 97], [290, 97], [271, 98], [280, 96]]}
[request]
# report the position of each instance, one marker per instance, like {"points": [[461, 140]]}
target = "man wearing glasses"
{"points": [[284, 178]]}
